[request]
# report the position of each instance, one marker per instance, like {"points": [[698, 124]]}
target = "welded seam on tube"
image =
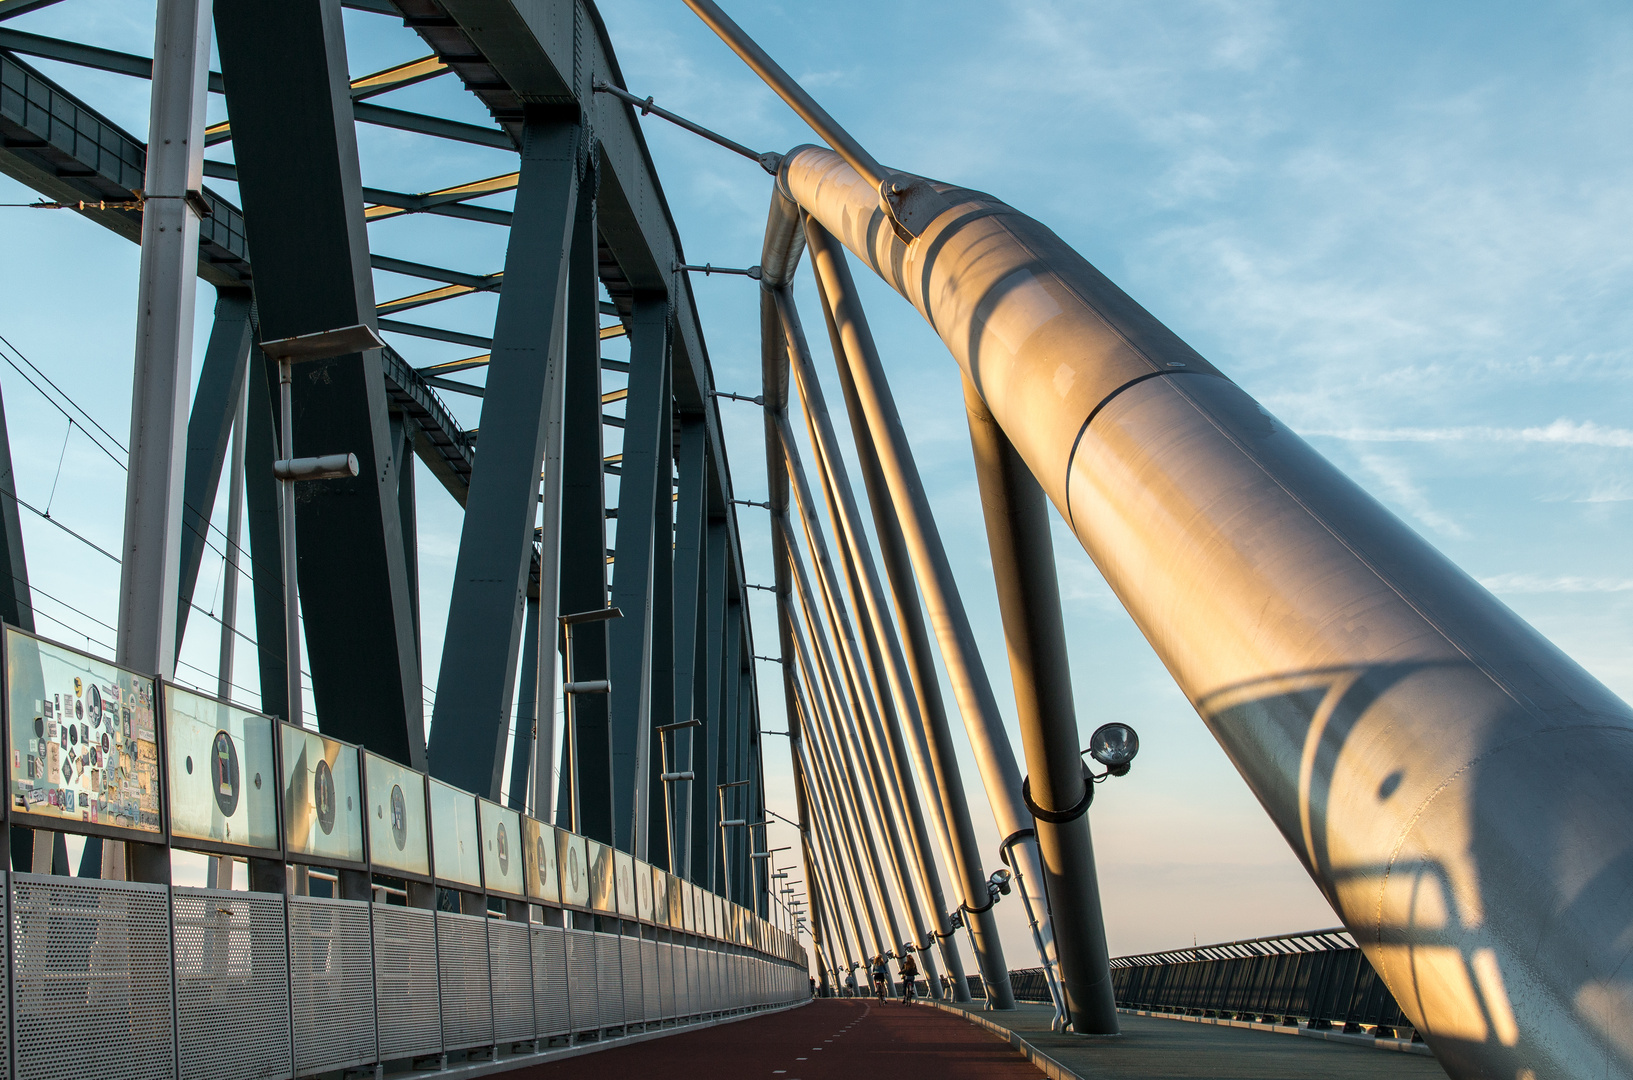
{"points": [[1094, 412]]}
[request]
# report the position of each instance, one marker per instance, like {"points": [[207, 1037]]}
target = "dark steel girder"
{"points": [[285, 75]]}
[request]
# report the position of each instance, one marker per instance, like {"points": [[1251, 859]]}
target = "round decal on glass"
{"points": [[323, 796], [224, 773], [399, 817], [504, 850], [544, 858], [572, 868]]}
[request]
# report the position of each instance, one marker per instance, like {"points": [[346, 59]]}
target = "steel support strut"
{"points": [[149, 573], [1023, 566], [886, 662], [470, 722], [906, 528]]}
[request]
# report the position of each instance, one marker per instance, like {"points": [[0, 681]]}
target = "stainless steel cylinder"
{"points": [[1455, 784]]}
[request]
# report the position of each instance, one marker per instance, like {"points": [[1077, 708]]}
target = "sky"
{"points": [[1401, 227]]}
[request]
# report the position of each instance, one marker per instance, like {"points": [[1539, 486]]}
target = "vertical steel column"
{"points": [[867, 593], [579, 321], [691, 515], [17, 608], [645, 464], [663, 631], [265, 538], [477, 681], [730, 760], [150, 569], [899, 566], [210, 427], [583, 573], [706, 739], [527, 711], [235, 523], [1023, 566]]}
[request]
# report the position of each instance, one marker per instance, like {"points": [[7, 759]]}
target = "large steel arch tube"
{"points": [[1456, 785]]}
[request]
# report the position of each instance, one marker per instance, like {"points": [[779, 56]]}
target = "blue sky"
{"points": [[1403, 228]]}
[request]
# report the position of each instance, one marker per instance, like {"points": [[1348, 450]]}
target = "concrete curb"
{"points": [[562, 1053], [1405, 1046], [1047, 1065]]}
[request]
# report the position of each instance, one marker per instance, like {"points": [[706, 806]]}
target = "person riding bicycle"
{"points": [[881, 977], [910, 974]]}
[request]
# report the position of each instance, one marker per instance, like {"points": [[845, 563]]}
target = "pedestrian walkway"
{"points": [[829, 1039], [1155, 1048]]}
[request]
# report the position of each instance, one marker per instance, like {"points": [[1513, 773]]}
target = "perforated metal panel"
{"points": [[609, 973], [510, 959], [694, 981], [653, 1007], [550, 1009], [666, 978], [407, 1008], [462, 965], [582, 986], [331, 968], [232, 985], [91, 977], [5, 983], [629, 951]]}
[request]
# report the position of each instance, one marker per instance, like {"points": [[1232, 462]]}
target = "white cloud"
{"points": [[1560, 432], [1398, 486], [1538, 583]]}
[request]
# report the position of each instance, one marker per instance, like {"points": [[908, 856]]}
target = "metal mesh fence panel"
{"points": [[91, 977], [582, 986], [462, 964], [511, 961], [550, 997], [407, 1008], [609, 981], [232, 985], [331, 968]]}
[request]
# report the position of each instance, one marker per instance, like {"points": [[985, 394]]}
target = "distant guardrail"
{"points": [[1317, 979]]}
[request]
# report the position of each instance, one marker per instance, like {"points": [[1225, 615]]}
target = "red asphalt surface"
{"points": [[829, 1039]]}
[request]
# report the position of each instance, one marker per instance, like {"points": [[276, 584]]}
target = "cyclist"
{"points": [[881, 977], [910, 975], [850, 983]]}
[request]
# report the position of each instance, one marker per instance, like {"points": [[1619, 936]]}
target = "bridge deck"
{"points": [[842, 1039], [826, 1040], [1154, 1048]]}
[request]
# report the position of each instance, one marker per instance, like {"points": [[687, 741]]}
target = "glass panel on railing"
{"points": [[84, 742], [660, 897], [456, 851], [398, 836], [501, 849], [573, 864], [323, 800], [223, 774], [602, 892], [623, 865], [543, 879], [643, 891]]}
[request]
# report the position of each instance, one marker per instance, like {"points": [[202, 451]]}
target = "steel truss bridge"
{"points": [[1453, 783]]}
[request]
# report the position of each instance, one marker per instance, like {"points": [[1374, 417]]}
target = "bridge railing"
{"points": [[1318, 979], [453, 925]]}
